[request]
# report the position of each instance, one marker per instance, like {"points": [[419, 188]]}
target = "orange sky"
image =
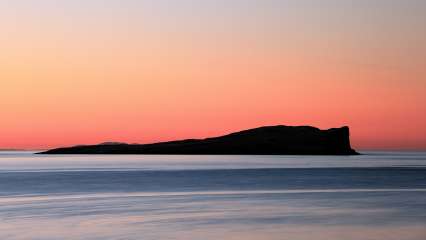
{"points": [[138, 71]]}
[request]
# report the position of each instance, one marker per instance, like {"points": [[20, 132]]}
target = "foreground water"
{"points": [[379, 195]]}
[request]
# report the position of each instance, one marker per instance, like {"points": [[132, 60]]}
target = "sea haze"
{"points": [[377, 195]]}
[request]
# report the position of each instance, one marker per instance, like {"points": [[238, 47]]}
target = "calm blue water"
{"points": [[379, 195]]}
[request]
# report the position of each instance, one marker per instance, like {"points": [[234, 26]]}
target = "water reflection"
{"points": [[213, 197], [387, 214]]}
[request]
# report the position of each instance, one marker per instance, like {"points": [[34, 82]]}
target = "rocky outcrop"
{"points": [[271, 140]]}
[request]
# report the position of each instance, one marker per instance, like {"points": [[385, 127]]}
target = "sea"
{"points": [[373, 196]]}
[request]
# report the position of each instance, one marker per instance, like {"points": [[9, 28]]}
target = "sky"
{"points": [[85, 72]]}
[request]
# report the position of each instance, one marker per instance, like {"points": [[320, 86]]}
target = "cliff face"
{"points": [[273, 140]]}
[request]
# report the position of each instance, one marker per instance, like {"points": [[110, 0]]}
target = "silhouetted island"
{"points": [[272, 140]]}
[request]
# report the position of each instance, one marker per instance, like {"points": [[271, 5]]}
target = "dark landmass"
{"points": [[272, 140], [112, 143]]}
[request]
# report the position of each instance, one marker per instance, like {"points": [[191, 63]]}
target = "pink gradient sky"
{"points": [[73, 72]]}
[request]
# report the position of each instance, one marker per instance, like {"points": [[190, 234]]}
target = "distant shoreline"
{"points": [[268, 140]]}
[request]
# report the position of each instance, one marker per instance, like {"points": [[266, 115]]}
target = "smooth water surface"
{"points": [[379, 195]]}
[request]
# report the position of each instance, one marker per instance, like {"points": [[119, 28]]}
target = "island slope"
{"points": [[270, 140]]}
